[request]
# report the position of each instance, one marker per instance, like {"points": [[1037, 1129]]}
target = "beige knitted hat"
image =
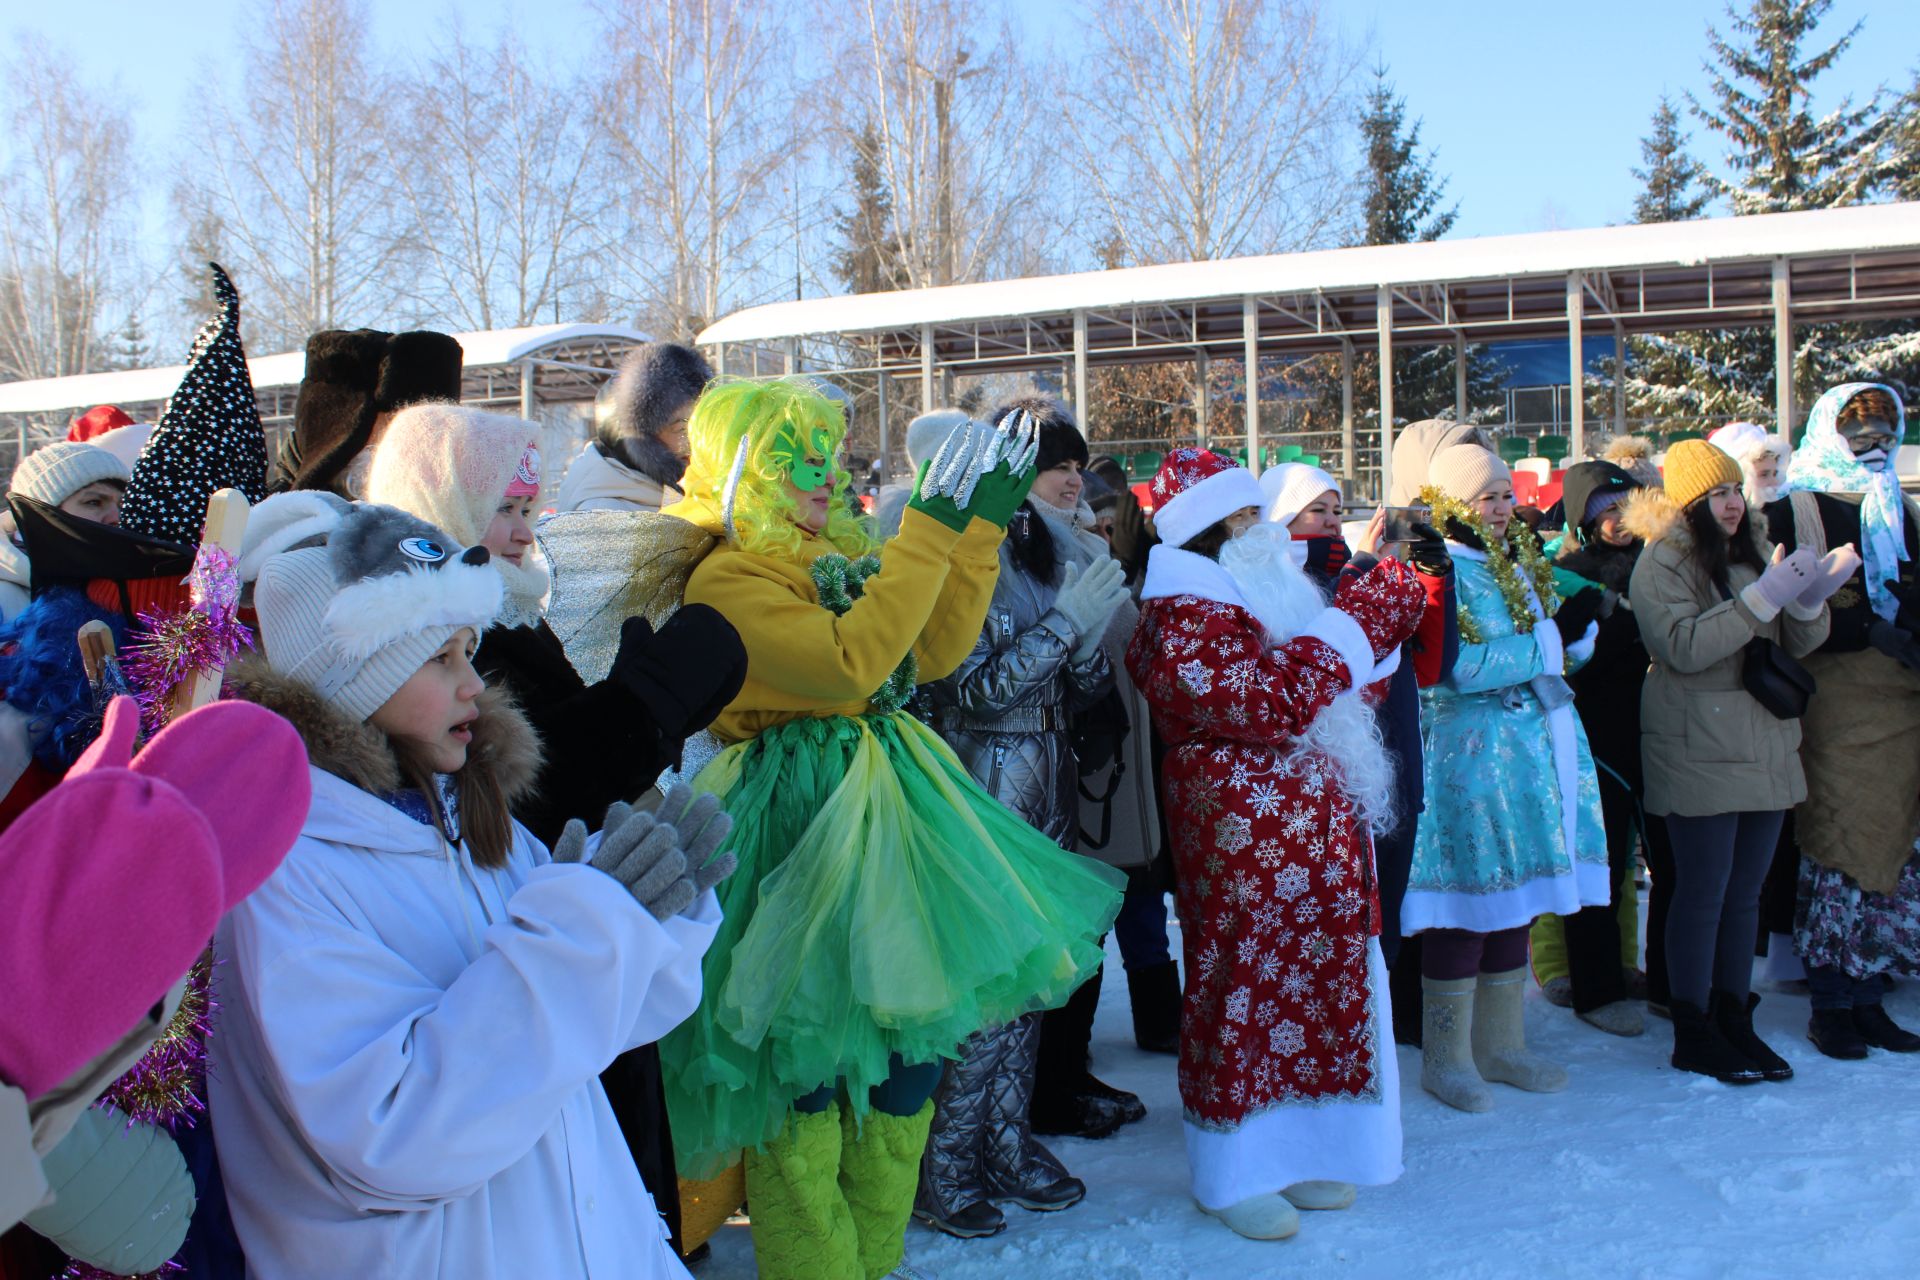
{"points": [[60, 470], [1465, 471]]}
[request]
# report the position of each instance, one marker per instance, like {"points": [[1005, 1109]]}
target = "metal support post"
{"points": [[1350, 466], [926, 367], [880, 395], [1200, 371], [1619, 379], [529, 403], [792, 357], [1383, 322], [1080, 370], [1250, 358], [1782, 350], [1576, 385], [1459, 377]]}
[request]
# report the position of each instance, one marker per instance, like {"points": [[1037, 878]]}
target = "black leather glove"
{"points": [[687, 672], [1133, 537], [1907, 618], [1428, 551], [1896, 642], [1576, 612]]}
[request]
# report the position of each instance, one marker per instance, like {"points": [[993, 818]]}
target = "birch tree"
{"points": [[700, 131], [1212, 128], [297, 169], [500, 185], [65, 194]]}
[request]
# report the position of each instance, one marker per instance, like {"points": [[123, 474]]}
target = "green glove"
{"points": [[980, 471], [122, 1197]]}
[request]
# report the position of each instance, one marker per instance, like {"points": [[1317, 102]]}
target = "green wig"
{"points": [[748, 437]]}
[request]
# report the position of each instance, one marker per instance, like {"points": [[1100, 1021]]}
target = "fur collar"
{"points": [[1600, 562], [1653, 517], [504, 742]]}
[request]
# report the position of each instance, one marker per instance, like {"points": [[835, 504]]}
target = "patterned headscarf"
{"points": [[1824, 464]]}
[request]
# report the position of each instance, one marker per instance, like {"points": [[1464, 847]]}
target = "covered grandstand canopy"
{"points": [[513, 370], [1771, 270]]}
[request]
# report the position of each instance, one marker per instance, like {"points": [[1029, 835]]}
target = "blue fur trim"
{"points": [[41, 673]]}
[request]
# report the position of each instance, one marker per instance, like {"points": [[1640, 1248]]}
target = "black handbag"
{"points": [[1773, 677]]}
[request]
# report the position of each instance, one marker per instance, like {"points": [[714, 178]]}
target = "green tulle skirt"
{"points": [[884, 904]]}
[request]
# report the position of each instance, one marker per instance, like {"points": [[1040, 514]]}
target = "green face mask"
{"points": [[808, 465]]}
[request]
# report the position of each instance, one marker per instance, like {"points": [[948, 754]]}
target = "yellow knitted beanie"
{"points": [[1693, 467]]}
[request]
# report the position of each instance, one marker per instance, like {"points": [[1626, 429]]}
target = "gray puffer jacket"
{"points": [[1004, 712]]}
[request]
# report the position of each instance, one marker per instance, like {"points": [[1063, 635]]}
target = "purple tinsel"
{"points": [[82, 1271], [204, 637], [164, 1088]]}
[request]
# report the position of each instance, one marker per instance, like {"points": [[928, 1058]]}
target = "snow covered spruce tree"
{"points": [[1404, 203], [1779, 157]]}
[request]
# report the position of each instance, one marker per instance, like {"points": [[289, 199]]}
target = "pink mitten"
{"points": [[241, 765], [113, 888], [245, 769]]}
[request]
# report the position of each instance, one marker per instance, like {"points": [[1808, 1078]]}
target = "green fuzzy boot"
{"points": [[802, 1228], [879, 1172]]}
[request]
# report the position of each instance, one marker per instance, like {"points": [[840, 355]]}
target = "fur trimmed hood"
{"points": [[1653, 517], [504, 741]]}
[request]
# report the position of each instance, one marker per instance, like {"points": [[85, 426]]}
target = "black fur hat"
{"points": [[655, 381], [352, 376]]}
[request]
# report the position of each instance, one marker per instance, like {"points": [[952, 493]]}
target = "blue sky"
{"points": [[1536, 107]]}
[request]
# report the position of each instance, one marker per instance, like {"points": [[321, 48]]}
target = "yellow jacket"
{"points": [[931, 596]]}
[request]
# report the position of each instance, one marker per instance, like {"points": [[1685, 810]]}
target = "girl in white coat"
{"points": [[416, 1006]]}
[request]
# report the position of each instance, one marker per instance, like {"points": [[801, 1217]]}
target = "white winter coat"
{"points": [[404, 1064], [595, 482]]}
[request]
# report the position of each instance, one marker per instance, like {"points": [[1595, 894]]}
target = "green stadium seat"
{"points": [[1514, 448], [1308, 459], [1553, 448], [1287, 453]]}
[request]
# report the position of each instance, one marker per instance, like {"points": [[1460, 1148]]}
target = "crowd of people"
{"points": [[585, 861]]}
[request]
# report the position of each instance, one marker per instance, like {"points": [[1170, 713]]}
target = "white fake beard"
{"points": [[1346, 734]]}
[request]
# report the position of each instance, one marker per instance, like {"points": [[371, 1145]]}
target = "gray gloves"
{"points": [[1088, 599], [663, 851]]}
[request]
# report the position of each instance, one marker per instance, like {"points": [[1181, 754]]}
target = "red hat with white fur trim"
{"points": [[1195, 488]]}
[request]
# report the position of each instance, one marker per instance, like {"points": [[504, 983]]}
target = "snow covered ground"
{"points": [[1635, 1171]]}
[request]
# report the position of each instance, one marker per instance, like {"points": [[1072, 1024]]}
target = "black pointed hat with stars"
{"points": [[210, 437]]}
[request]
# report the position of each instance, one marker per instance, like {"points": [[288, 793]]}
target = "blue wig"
{"points": [[42, 676]]}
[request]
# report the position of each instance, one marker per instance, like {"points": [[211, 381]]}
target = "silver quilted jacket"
{"points": [[1004, 712]]}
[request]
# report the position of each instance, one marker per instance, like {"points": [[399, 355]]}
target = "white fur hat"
{"points": [[1195, 488]]}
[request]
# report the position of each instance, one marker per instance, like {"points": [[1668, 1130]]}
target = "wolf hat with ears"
{"points": [[363, 597]]}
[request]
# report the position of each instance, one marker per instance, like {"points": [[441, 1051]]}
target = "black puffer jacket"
{"points": [[1607, 689]]}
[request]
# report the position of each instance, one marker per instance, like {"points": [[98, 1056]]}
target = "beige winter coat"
{"points": [[1706, 746]]}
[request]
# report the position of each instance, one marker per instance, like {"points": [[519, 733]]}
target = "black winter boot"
{"points": [[1881, 1031], [1734, 1018], [1833, 1033], [1155, 995], [1699, 1047]]}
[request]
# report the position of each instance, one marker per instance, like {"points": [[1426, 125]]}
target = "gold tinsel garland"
{"points": [[1520, 543]]}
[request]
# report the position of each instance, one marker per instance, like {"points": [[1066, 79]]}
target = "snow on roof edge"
{"points": [[1861, 228], [281, 369]]}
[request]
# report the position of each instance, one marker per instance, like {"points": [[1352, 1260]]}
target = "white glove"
{"points": [[1582, 649], [1087, 600]]}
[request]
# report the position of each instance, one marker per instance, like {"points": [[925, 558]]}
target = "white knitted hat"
{"points": [[1292, 487], [57, 472], [926, 433], [356, 617]]}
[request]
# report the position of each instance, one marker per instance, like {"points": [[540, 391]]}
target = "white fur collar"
{"points": [[1174, 572]]}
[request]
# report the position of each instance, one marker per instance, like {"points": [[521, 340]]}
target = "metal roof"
{"points": [[1859, 262], [570, 363]]}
